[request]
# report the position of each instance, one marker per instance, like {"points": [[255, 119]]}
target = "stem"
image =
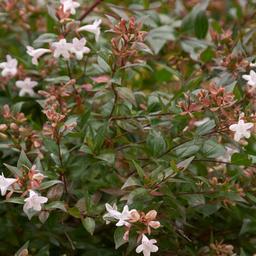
{"points": [[114, 118], [62, 166], [90, 9], [115, 101], [69, 70]]}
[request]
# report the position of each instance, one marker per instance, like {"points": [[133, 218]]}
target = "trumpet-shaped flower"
{"points": [[34, 202], [36, 53], [26, 87], [251, 78], [62, 48], [69, 5], [241, 130], [92, 28], [9, 68], [122, 217], [147, 246], [78, 47], [5, 183]]}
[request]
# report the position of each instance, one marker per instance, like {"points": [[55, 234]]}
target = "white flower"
{"points": [[147, 246], [92, 28], [26, 87], [241, 130], [253, 65], [122, 217], [251, 78], [78, 47], [36, 53], [70, 5], [9, 68], [5, 183], [34, 202], [62, 48]]}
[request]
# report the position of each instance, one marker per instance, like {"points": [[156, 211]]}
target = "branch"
{"points": [[115, 100], [90, 9]]}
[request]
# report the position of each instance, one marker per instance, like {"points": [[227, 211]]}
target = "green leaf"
{"points": [[118, 237], [195, 200], [14, 170], [206, 127], [74, 211], [207, 55], [56, 205], [48, 184], [100, 137], [248, 226], [142, 47], [240, 159], [103, 65], [156, 144], [138, 169], [201, 25], [15, 200], [185, 163], [23, 160], [107, 157], [212, 149], [126, 94], [189, 148], [131, 182], [89, 224], [57, 80], [44, 38], [188, 22]]}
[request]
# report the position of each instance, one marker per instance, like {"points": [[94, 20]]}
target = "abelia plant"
{"points": [[127, 127]]}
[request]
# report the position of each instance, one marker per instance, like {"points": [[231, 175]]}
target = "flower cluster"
{"points": [[27, 182], [129, 219], [128, 41], [16, 130]]}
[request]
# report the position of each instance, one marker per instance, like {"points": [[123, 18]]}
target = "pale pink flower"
{"points": [[78, 47], [122, 217], [36, 53], [5, 183], [147, 246], [34, 202], [26, 87], [251, 78], [241, 130], [69, 5], [9, 68], [62, 48], [92, 28]]}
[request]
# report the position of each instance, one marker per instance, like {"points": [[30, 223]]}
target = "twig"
{"points": [[114, 118], [115, 100], [90, 9]]}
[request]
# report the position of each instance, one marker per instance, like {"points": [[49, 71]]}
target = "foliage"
{"points": [[148, 125]]}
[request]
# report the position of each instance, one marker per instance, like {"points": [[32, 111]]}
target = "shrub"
{"points": [[127, 127]]}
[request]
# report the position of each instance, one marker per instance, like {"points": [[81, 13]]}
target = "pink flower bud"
{"points": [[3, 127]]}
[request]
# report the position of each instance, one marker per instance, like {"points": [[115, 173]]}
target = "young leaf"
{"points": [[89, 224]]}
